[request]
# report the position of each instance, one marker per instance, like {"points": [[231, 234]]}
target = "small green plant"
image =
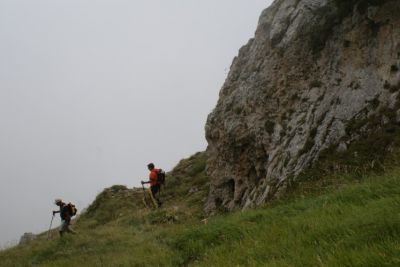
{"points": [[269, 126], [316, 83], [238, 110], [307, 146], [117, 188]]}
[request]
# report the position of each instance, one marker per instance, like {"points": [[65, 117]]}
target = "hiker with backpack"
{"points": [[67, 211], [156, 179]]}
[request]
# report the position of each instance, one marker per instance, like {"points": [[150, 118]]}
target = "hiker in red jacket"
{"points": [[153, 181]]}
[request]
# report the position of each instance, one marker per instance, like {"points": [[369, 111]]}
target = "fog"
{"points": [[92, 91]]}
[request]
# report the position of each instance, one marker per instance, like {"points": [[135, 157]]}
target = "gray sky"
{"points": [[92, 91]]}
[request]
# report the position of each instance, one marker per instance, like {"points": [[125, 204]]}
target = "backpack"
{"points": [[161, 177], [72, 210]]}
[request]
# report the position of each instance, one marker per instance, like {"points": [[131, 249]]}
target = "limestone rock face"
{"points": [[312, 68]]}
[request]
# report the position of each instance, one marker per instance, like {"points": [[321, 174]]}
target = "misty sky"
{"points": [[93, 90]]}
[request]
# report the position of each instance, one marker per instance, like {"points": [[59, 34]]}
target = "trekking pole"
{"points": [[144, 193], [48, 232]]}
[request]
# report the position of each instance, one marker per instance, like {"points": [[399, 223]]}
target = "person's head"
{"points": [[150, 166], [58, 202]]}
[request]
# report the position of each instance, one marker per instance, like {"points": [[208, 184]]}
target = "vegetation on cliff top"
{"points": [[331, 17]]}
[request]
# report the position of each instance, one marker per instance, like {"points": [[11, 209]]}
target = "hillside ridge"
{"points": [[345, 222]]}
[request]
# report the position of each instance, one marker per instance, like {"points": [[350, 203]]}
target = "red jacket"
{"points": [[153, 176]]}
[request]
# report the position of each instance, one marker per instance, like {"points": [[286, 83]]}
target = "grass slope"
{"points": [[353, 223]]}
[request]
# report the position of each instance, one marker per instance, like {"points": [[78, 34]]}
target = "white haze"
{"points": [[92, 91]]}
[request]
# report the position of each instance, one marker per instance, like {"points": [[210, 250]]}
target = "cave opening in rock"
{"points": [[218, 202]]}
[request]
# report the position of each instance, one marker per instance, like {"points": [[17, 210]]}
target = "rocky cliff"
{"points": [[319, 75]]}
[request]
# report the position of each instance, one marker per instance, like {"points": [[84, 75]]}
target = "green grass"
{"points": [[354, 222], [358, 225]]}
